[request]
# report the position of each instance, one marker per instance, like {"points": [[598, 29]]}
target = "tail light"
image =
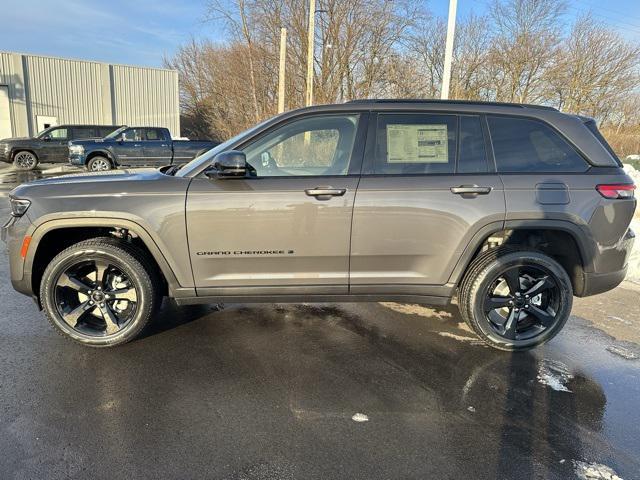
{"points": [[616, 191]]}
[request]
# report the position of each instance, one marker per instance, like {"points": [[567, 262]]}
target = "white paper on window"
{"points": [[417, 143]]}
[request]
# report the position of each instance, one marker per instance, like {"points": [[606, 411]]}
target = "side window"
{"points": [[472, 154], [58, 134], [132, 135], [415, 144], [83, 132], [312, 146], [154, 134], [523, 145]]}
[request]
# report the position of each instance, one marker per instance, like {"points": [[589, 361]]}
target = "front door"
{"points": [[286, 227], [426, 189], [129, 150], [56, 145]]}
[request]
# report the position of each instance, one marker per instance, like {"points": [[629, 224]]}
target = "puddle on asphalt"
{"points": [[555, 375]]}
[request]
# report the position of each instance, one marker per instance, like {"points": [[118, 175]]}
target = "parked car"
{"points": [[135, 147], [48, 146], [513, 209]]}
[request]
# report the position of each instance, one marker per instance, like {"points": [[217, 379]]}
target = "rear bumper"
{"points": [[599, 282], [595, 283]]}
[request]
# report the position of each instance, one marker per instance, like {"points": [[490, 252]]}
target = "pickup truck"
{"points": [[135, 147], [49, 146]]}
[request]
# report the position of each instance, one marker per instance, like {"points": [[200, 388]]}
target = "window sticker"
{"points": [[417, 143]]}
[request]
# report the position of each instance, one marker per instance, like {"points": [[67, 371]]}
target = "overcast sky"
{"points": [[142, 32]]}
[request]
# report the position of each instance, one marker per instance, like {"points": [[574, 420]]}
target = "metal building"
{"points": [[37, 92]]}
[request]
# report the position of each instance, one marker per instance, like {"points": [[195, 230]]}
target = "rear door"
{"points": [[427, 188], [157, 147], [286, 227]]}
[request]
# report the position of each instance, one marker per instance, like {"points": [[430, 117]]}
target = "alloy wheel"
{"points": [[95, 297], [522, 302], [25, 160], [100, 165]]}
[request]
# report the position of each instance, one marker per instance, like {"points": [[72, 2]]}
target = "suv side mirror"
{"points": [[231, 164], [46, 138]]}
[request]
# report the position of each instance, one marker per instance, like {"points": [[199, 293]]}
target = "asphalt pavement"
{"points": [[319, 391]]}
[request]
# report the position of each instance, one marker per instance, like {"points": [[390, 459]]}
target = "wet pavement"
{"points": [[358, 391]]}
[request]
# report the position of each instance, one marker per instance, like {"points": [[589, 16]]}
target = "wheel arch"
{"points": [[101, 153], [53, 237], [19, 149], [566, 242]]}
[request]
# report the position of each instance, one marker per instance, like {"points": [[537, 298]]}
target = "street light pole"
{"points": [[310, 49], [448, 50], [281, 69]]}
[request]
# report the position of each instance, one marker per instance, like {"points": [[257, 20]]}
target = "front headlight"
{"points": [[76, 149], [19, 206]]}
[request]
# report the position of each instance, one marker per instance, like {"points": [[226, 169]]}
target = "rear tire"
{"points": [[100, 292], [25, 161], [99, 164], [515, 299]]}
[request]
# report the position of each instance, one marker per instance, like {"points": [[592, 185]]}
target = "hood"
{"points": [[85, 183], [17, 139]]}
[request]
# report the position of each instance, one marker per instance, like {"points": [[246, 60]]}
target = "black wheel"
{"points": [[100, 292], [515, 300], [25, 160], [99, 164]]}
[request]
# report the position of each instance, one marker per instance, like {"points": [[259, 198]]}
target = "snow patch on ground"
{"points": [[412, 309], [554, 375], [633, 271], [623, 352], [594, 471], [360, 417]]}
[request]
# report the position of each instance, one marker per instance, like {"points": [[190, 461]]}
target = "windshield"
{"points": [[198, 162], [116, 133], [44, 132]]}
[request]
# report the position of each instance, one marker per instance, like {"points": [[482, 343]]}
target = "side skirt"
{"points": [[424, 299]]}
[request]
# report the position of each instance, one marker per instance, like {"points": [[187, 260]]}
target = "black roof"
{"points": [[448, 102]]}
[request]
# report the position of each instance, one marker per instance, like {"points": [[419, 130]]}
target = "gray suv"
{"points": [[511, 209]]}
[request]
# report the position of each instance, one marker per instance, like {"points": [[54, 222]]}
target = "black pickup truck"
{"points": [[135, 147], [49, 146]]}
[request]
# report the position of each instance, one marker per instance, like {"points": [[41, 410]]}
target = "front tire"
{"points": [[100, 292], [25, 161], [515, 300], [99, 164]]}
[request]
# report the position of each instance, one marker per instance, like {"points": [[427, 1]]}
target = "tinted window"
{"points": [[472, 155], [104, 131], [415, 144], [319, 145], [83, 132], [522, 145], [132, 135], [58, 134], [154, 134]]}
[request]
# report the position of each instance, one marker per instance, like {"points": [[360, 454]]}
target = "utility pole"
{"points": [[310, 49], [281, 69], [448, 50]]}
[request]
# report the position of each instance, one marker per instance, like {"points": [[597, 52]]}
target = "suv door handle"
{"points": [[325, 193], [471, 190]]}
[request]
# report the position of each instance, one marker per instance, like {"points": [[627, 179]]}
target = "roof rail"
{"points": [[451, 102]]}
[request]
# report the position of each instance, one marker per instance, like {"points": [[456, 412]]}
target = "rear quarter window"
{"points": [[527, 145]]}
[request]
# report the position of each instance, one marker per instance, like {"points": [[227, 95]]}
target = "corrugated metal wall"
{"points": [[76, 91], [70, 90], [136, 88], [12, 75]]}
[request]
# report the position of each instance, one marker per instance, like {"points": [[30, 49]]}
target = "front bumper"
{"points": [[77, 159], [13, 233], [5, 156]]}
